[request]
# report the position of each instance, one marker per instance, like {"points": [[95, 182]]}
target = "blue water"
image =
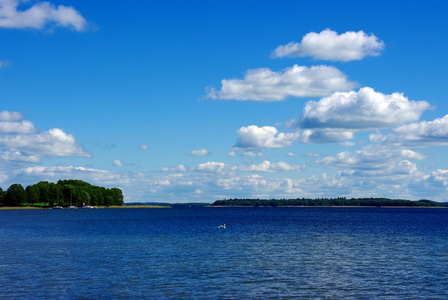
{"points": [[179, 253]]}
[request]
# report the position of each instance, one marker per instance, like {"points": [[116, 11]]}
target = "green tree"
{"points": [[2, 196], [117, 196], [55, 192], [33, 194], [15, 195], [44, 195], [68, 191]]}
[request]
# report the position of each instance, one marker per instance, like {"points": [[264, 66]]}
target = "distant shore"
{"points": [[96, 207]]}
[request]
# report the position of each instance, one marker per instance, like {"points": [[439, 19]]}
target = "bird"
{"points": [[222, 226]]}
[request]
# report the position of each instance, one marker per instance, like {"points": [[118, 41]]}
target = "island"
{"points": [[64, 193], [328, 202]]}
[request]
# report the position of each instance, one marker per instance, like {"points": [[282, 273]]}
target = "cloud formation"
{"points": [[19, 136], [325, 136], [419, 134], [9, 116], [297, 81], [53, 142], [377, 163], [200, 152], [39, 15], [365, 109], [267, 166], [117, 163], [328, 45], [265, 137], [21, 127]]}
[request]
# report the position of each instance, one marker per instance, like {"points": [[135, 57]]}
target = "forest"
{"points": [[63, 193], [341, 201]]}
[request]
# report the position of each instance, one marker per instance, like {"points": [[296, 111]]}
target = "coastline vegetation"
{"points": [[63, 193], [329, 202]]}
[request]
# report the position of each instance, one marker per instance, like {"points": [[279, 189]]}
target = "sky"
{"points": [[196, 101]]}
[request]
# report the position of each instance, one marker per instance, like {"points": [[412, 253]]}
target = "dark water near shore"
{"points": [[306, 253]]}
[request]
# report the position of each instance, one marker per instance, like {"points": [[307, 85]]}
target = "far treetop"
{"points": [[375, 202], [63, 193]]}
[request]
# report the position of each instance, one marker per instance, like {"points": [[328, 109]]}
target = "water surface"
{"points": [[326, 253]]}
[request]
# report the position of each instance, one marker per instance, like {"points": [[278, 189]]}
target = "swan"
{"points": [[222, 226]]}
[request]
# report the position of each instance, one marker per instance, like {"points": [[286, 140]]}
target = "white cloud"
{"points": [[365, 109], [178, 168], [22, 127], [264, 137], [268, 137], [143, 147], [39, 15], [200, 152], [328, 45], [297, 81], [18, 157], [20, 136], [211, 166], [441, 176], [10, 116], [421, 134], [267, 166], [374, 160], [53, 142], [325, 136], [117, 163]]}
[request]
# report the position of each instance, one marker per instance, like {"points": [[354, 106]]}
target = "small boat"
{"points": [[71, 207], [57, 207], [87, 206]]}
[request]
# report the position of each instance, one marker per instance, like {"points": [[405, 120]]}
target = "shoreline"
{"points": [[334, 206], [217, 206], [95, 207]]}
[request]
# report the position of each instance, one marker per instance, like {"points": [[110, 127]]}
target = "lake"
{"points": [[180, 253]]}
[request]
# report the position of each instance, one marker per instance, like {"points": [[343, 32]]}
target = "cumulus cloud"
{"points": [[329, 45], [365, 109], [375, 160], [18, 157], [178, 168], [420, 134], [22, 127], [143, 147], [297, 81], [326, 136], [265, 137], [267, 166], [441, 176], [10, 116], [20, 136], [200, 152], [53, 142], [211, 166], [39, 15], [117, 163], [223, 168], [268, 137]]}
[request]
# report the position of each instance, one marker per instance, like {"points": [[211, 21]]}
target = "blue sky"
{"points": [[194, 101]]}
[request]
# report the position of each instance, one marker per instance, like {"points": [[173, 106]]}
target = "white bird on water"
{"points": [[222, 226]]}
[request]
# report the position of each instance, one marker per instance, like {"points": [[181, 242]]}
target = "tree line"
{"points": [[340, 201], [63, 193]]}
